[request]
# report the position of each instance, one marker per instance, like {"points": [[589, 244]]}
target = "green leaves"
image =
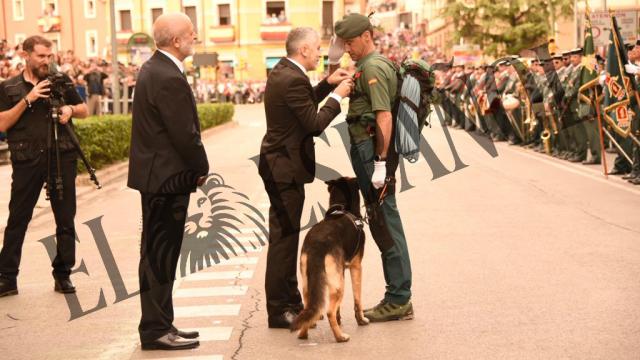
{"points": [[105, 139], [505, 27]]}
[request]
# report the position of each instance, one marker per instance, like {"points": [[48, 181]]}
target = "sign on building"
{"points": [[601, 23]]}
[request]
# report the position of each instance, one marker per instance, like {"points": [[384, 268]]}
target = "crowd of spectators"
{"points": [[403, 43]]}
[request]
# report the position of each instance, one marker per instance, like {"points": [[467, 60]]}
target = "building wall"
{"points": [[246, 49], [78, 25]]}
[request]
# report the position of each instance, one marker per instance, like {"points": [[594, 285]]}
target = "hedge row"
{"points": [[105, 139]]}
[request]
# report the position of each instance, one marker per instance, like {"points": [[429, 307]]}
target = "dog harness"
{"points": [[338, 210]]}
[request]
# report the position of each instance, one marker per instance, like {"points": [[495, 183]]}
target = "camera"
{"points": [[59, 85]]}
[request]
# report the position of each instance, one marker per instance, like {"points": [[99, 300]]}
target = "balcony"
{"points": [[222, 33], [123, 36], [275, 32]]}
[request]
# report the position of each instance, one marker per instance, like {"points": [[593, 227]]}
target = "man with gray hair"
{"points": [[287, 160], [167, 163]]}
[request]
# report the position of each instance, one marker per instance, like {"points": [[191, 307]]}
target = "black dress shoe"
{"points": [[617, 171], [185, 334], [8, 287], [591, 162], [576, 159], [64, 286], [170, 342], [282, 321], [635, 181], [631, 175]]}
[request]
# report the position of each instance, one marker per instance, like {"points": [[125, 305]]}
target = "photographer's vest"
{"points": [[361, 116], [27, 138]]}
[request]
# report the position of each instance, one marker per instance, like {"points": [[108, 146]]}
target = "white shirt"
{"points": [[175, 60], [337, 97]]}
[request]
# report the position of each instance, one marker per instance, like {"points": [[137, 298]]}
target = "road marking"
{"points": [[198, 357], [239, 290], [591, 174], [215, 333], [220, 275], [239, 260], [206, 310]]}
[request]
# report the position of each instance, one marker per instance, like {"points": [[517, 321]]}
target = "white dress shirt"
{"points": [[175, 60]]}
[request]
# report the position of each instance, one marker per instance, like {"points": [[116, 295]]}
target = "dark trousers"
{"points": [[281, 281], [163, 218], [27, 179]]}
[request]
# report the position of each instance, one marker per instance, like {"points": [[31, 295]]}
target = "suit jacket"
{"points": [[287, 154], [167, 155]]}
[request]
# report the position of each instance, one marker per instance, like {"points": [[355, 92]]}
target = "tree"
{"points": [[505, 26]]}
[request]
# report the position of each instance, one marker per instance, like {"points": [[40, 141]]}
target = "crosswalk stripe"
{"points": [[215, 333], [239, 290], [239, 260], [220, 275], [206, 310], [197, 357]]}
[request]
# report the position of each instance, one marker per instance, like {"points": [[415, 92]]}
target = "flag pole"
{"points": [[603, 154]]}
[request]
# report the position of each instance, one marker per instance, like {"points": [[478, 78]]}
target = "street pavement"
{"points": [[515, 255]]}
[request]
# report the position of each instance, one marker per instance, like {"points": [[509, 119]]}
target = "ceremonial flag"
{"points": [[618, 84], [588, 74]]}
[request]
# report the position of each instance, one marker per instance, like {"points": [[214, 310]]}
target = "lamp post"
{"points": [[115, 82]]}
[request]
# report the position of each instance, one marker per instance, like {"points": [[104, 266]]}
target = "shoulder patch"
{"points": [[373, 81]]}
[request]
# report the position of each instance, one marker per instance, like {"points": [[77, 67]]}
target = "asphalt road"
{"points": [[515, 255]]}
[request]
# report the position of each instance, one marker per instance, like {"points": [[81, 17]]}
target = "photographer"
{"points": [[26, 115]]}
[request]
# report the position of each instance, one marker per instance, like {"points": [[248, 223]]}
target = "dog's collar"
{"points": [[358, 223]]}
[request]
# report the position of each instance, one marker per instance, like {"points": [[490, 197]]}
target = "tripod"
{"points": [[53, 144]]}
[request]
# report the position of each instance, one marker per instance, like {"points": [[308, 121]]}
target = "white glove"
{"points": [[631, 68], [379, 173], [336, 50], [603, 79]]}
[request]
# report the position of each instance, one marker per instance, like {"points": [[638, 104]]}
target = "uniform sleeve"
{"points": [[376, 84]]}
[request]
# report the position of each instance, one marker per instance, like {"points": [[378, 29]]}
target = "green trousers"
{"points": [[593, 136], [395, 261]]}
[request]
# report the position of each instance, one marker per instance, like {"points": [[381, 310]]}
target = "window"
{"points": [[155, 13], [224, 14], [125, 20], [275, 12], [91, 37], [18, 10], [327, 19], [20, 38], [50, 7], [191, 12], [90, 8]]}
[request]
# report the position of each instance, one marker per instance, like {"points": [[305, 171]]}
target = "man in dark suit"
{"points": [[287, 160], [167, 162]]}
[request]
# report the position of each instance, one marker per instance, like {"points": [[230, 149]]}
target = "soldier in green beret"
{"points": [[375, 160]]}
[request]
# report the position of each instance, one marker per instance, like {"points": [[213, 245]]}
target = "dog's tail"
{"points": [[316, 284]]}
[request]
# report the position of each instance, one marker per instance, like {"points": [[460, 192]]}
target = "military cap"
{"points": [[629, 46], [352, 25], [566, 54], [638, 42], [556, 57], [576, 51], [599, 58]]}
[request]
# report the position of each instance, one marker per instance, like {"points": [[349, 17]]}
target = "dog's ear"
{"points": [[330, 184]]}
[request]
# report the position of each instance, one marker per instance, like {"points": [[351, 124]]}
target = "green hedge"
{"points": [[105, 139]]}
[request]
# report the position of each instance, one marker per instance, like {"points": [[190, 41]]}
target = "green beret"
{"points": [[352, 25]]}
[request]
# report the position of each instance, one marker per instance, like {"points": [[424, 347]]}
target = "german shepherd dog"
{"points": [[331, 246]]}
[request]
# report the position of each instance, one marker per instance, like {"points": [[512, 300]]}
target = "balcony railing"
{"points": [[275, 31], [222, 33]]}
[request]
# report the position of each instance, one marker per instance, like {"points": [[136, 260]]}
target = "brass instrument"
{"points": [[546, 134]]}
